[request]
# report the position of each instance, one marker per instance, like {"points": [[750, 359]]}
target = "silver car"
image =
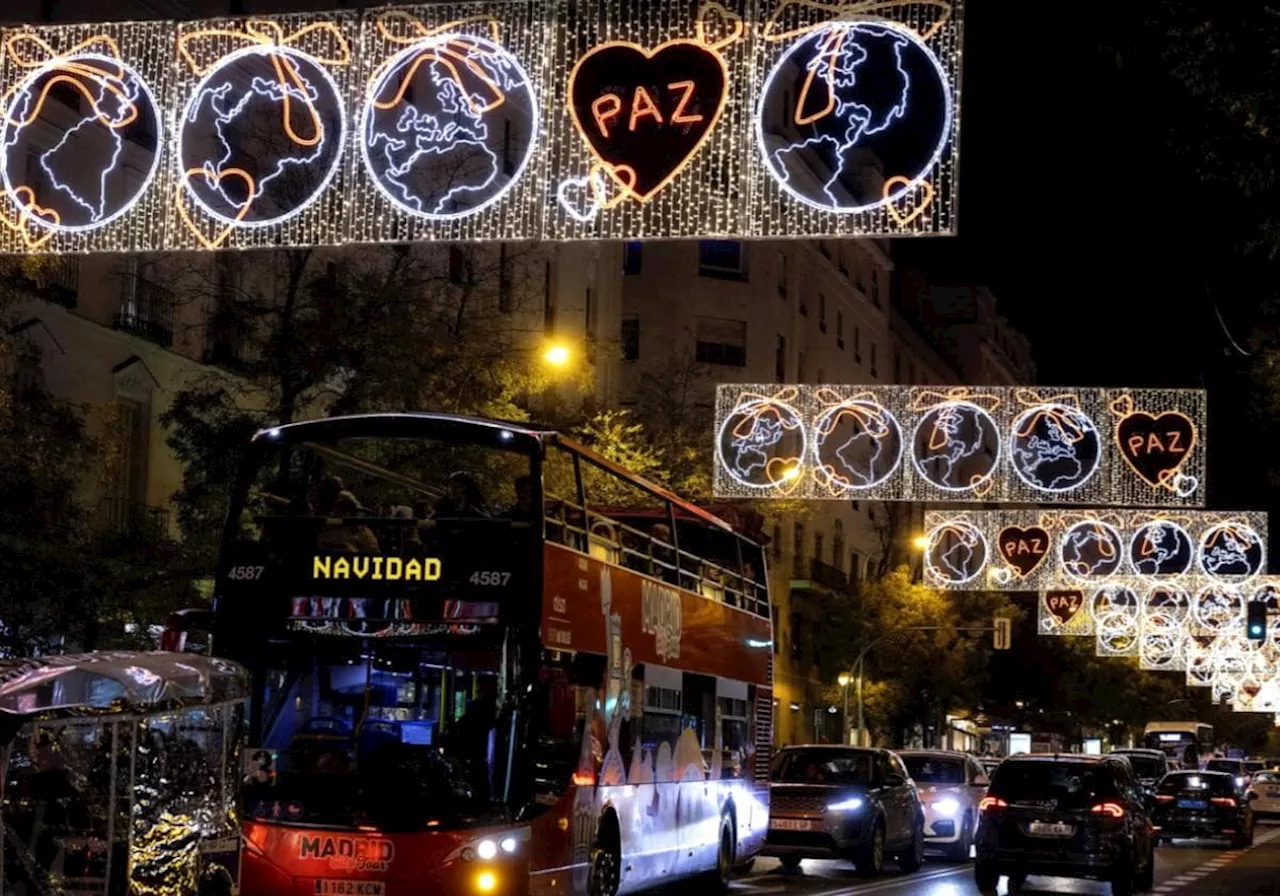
{"points": [[951, 785]]}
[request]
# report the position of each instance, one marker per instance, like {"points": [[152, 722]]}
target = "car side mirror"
{"points": [[981, 781]]}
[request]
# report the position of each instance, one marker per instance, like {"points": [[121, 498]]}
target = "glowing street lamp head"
{"points": [[921, 542], [843, 679], [557, 355], [791, 473]]}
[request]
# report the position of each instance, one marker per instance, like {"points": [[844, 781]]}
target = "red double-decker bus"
{"points": [[487, 660]]}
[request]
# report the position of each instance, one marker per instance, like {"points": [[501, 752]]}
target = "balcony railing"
{"points": [[58, 280], [133, 521], [145, 309], [815, 572]]}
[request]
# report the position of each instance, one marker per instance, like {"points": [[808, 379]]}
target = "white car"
{"points": [[1264, 793], [950, 786]]}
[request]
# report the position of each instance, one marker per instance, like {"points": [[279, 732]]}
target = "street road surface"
{"points": [[1183, 869]]}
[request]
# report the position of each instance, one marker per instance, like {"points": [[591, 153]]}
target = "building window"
{"points": [[819, 546], [822, 311], [589, 313], [873, 360], [145, 308], [504, 280], [857, 344], [870, 570], [457, 265], [782, 275], [855, 569], [722, 258], [780, 359], [797, 541], [722, 341], [837, 544], [775, 542], [632, 254], [777, 632], [839, 329], [630, 337], [548, 301], [875, 287]]}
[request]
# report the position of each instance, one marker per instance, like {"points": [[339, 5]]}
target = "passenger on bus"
{"points": [[462, 498], [663, 554], [348, 535], [331, 488], [475, 730], [522, 511]]}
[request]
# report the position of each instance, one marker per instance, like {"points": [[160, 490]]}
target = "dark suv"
{"points": [[1065, 816], [1203, 804], [833, 802]]}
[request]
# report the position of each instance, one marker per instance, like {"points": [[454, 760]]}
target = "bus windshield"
{"points": [[401, 735]]}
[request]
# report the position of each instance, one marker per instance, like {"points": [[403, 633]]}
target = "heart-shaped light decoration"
{"points": [[216, 177], [898, 181]]}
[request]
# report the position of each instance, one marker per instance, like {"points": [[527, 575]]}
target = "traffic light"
{"points": [[1256, 625], [1002, 637]]}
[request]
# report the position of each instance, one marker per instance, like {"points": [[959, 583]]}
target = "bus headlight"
{"points": [[486, 849]]}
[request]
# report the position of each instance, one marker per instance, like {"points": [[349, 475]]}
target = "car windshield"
{"points": [[1067, 785], [1192, 782], [823, 767], [934, 769], [1144, 767], [1230, 766]]}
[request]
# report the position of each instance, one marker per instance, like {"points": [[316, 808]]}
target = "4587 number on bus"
{"points": [[490, 579]]}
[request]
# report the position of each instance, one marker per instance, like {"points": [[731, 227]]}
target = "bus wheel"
{"points": [[606, 863], [718, 879]]}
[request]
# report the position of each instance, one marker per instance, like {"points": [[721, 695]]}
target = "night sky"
{"points": [[1091, 230]]}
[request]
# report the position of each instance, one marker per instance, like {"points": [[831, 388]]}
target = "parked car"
{"points": [[1207, 804], [837, 802], [1065, 816], [950, 786], [1263, 794], [989, 764]]}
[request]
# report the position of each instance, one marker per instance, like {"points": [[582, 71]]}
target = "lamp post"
{"points": [[843, 680]]}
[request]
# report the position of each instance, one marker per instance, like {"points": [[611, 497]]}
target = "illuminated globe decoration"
{"points": [[1091, 550], [762, 444], [1161, 550], [1054, 448], [851, 107], [957, 551], [449, 126], [67, 165], [1116, 614], [1216, 610], [1161, 645], [857, 445], [956, 446], [1231, 552], [261, 137]]}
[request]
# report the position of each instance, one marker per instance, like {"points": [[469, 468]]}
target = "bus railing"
{"points": [[615, 542]]}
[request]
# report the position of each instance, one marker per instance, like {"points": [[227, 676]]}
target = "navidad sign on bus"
{"points": [[547, 119]]}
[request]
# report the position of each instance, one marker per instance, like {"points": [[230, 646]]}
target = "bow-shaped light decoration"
{"points": [[1060, 410]]}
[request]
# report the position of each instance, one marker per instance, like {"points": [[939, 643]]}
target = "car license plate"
{"points": [[795, 824], [1192, 804], [1051, 829], [350, 888]]}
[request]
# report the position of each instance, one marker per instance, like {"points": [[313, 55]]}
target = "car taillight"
{"points": [[1163, 798], [988, 803], [1111, 810], [1227, 801]]}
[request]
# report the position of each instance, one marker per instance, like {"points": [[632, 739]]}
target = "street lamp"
{"points": [[921, 542], [557, 355], [843, 680]]}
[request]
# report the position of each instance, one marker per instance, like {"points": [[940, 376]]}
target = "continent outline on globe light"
{"points": [[1232, 529], [1055, 410], [441, 44], [858, 406], [210, 169], [1106, 533], [984, 417], [960, 528], [1143, 533], [909, 183], [752, 407], [72, 67]]}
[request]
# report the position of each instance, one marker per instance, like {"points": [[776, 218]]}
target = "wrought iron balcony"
{"points": [[145, 309], [810, 574]]}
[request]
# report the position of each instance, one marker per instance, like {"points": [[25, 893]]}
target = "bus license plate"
{"points": [[350, 888], [795, 824], [1048, 829]]}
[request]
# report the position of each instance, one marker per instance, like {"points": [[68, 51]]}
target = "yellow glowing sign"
{"points": [[376, 569]]}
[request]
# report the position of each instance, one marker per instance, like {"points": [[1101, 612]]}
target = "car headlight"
{"points": [[853, 804], [486, 849], [1239, 782], [946, 808]]}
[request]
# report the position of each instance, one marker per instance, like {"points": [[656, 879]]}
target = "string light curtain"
{"points": [[547, 120]]}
